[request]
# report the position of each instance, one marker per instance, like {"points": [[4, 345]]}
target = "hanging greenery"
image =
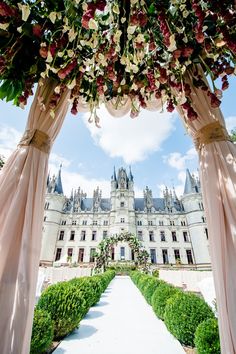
{"points": [[103, 256], [107, 50]]}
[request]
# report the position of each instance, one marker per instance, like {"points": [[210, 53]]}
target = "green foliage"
{"points": [[160, 297], [183, 313], [104, 250], [207, 339], [233, 135], [151, 286], [122, 268], [66, 304], [42, 333], [1, 162], [155, 273]]}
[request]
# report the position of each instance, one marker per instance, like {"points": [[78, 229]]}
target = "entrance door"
{"points": [[112, 253], [153, 255]]}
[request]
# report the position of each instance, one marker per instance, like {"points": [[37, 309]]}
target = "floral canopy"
{"points": [[111, 50]]}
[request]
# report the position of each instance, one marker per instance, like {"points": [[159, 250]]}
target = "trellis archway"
{"points": [[103, 255]]}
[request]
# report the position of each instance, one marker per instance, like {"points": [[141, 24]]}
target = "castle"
{"points": [[173, 230]]}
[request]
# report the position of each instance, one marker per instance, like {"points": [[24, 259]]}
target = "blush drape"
{"points": [[22, 189], [218, 181]]}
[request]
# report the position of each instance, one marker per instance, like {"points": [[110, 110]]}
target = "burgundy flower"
{"points": [[187, 52], [200, 37], [100, 5], [225, 85], [215, 102], [43, 51], [37, 30], [6, 10], [170, 106]]}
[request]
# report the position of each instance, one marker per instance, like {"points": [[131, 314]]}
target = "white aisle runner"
{"points": [[121, 323]]}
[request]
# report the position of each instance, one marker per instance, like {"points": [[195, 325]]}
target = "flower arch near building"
{"points": [[103, 255], [129, 55]]}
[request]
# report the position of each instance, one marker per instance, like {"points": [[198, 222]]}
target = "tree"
{"points": [[1, 161], [233, 135]]}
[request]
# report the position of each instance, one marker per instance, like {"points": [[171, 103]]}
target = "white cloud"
{"points": [[230, 123], [178, 160], [74, 180], [9, 138], [131, 139]]}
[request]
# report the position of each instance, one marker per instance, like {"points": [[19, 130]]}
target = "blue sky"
{"points": [[154, 144]]}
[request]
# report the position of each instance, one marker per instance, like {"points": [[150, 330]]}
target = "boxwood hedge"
{"points": [[207, 340], [42, 332], [183, 313]]}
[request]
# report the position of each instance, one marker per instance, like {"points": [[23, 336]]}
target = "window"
{"points": [[151, 236], [206, 232], [177, 255], [203, 219], [172, 223], [92, 254], [162, 234], [94, 235], [122, 194], [61, 235], [73, 222], [185, 235], [105, 222], [76, 209], [139, 223], [122, 253], [200, 206], [161, 223], [83, 235], [153, 255], [122, 204], [183, 223], [63, 222], [81, 255], [112, 253], [132, 255], [140, 235], [45, 218], [84, 222], [72, 235], [70, 252], [165, 256], [58, 254], [150, 223], [104, 234], [189, 256], [95, 222], [122, 220], [46, 206], [174, 237]]}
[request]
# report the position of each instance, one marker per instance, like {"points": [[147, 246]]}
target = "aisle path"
{"points": [[121, 323]]}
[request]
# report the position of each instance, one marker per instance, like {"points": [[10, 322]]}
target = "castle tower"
{"points": [[122, 202], [193, 206], [54, 203]]}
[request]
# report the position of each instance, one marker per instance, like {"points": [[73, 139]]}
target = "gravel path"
{"points": [[121, 323]]}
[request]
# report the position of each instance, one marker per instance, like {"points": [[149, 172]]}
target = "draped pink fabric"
{"points": [[22, 187], [218, 180]]}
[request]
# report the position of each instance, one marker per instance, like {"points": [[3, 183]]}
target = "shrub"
{"points": [[66, 305], [159, 298], [142, 282], [183, 313], [88, 290], [151, 285], [207, 339], [42, 332], [155, 273]]}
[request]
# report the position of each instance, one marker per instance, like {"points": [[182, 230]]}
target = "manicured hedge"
{"points": [[66, 305], [68, 302], [160, 297], [183, 313], [207, 339], [42, 333]]}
